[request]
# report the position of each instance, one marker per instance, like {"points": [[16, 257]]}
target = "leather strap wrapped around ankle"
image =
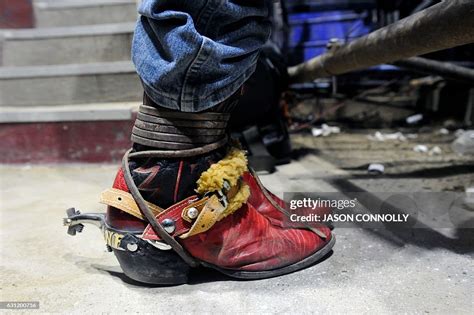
{"points": [[170, 130]]}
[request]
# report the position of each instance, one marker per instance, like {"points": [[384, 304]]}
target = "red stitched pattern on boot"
{"points": [[119, 182]]}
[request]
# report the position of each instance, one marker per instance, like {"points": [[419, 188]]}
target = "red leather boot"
{"points": [[197, 204]]}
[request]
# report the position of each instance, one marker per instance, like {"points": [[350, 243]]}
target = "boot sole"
{"points": [[150, 265]]}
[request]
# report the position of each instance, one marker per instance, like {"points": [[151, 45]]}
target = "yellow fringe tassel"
{"points": [[230, 168]]}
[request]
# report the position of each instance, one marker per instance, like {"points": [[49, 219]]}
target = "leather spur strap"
{"points": [[124, 201], [209, 209], [170, 130]]}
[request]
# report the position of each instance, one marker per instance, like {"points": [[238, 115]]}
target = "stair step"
{"points": [[62, 113], [67, 45], [69, 84], [83, 12]]}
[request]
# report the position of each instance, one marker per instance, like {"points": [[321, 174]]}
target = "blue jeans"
{"points": [[193, 54]]}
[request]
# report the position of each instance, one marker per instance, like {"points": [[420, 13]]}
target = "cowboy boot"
{"points": [[184, 197]]}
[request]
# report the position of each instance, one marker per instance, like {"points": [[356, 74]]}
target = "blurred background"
{"points": [[68, 89]]}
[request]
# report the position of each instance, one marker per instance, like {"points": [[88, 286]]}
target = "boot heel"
{"points": [[145, 263]]}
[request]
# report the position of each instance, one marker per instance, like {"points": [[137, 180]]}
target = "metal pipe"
{"points": [[444, 69], [444, 25], [423, 5]]}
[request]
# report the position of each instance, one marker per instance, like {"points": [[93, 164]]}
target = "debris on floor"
{"points": [[379, 136], [376, 169], [421, 148], [435, 151], [443, 131], [441, 170], [325, 130], [413, 119], [464, 143]]}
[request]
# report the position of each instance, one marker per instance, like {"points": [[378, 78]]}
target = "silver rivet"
{"points": [[168, 225], [132, 247], [193, 213]]}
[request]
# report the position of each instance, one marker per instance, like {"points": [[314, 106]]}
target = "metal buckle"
{"points": [[221, 193], [222, 198]]}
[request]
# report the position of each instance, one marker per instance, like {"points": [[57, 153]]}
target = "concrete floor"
{"points": [[369, 271]]}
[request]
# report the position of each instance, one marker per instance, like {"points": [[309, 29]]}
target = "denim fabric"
{"points": [[193, 54]]}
